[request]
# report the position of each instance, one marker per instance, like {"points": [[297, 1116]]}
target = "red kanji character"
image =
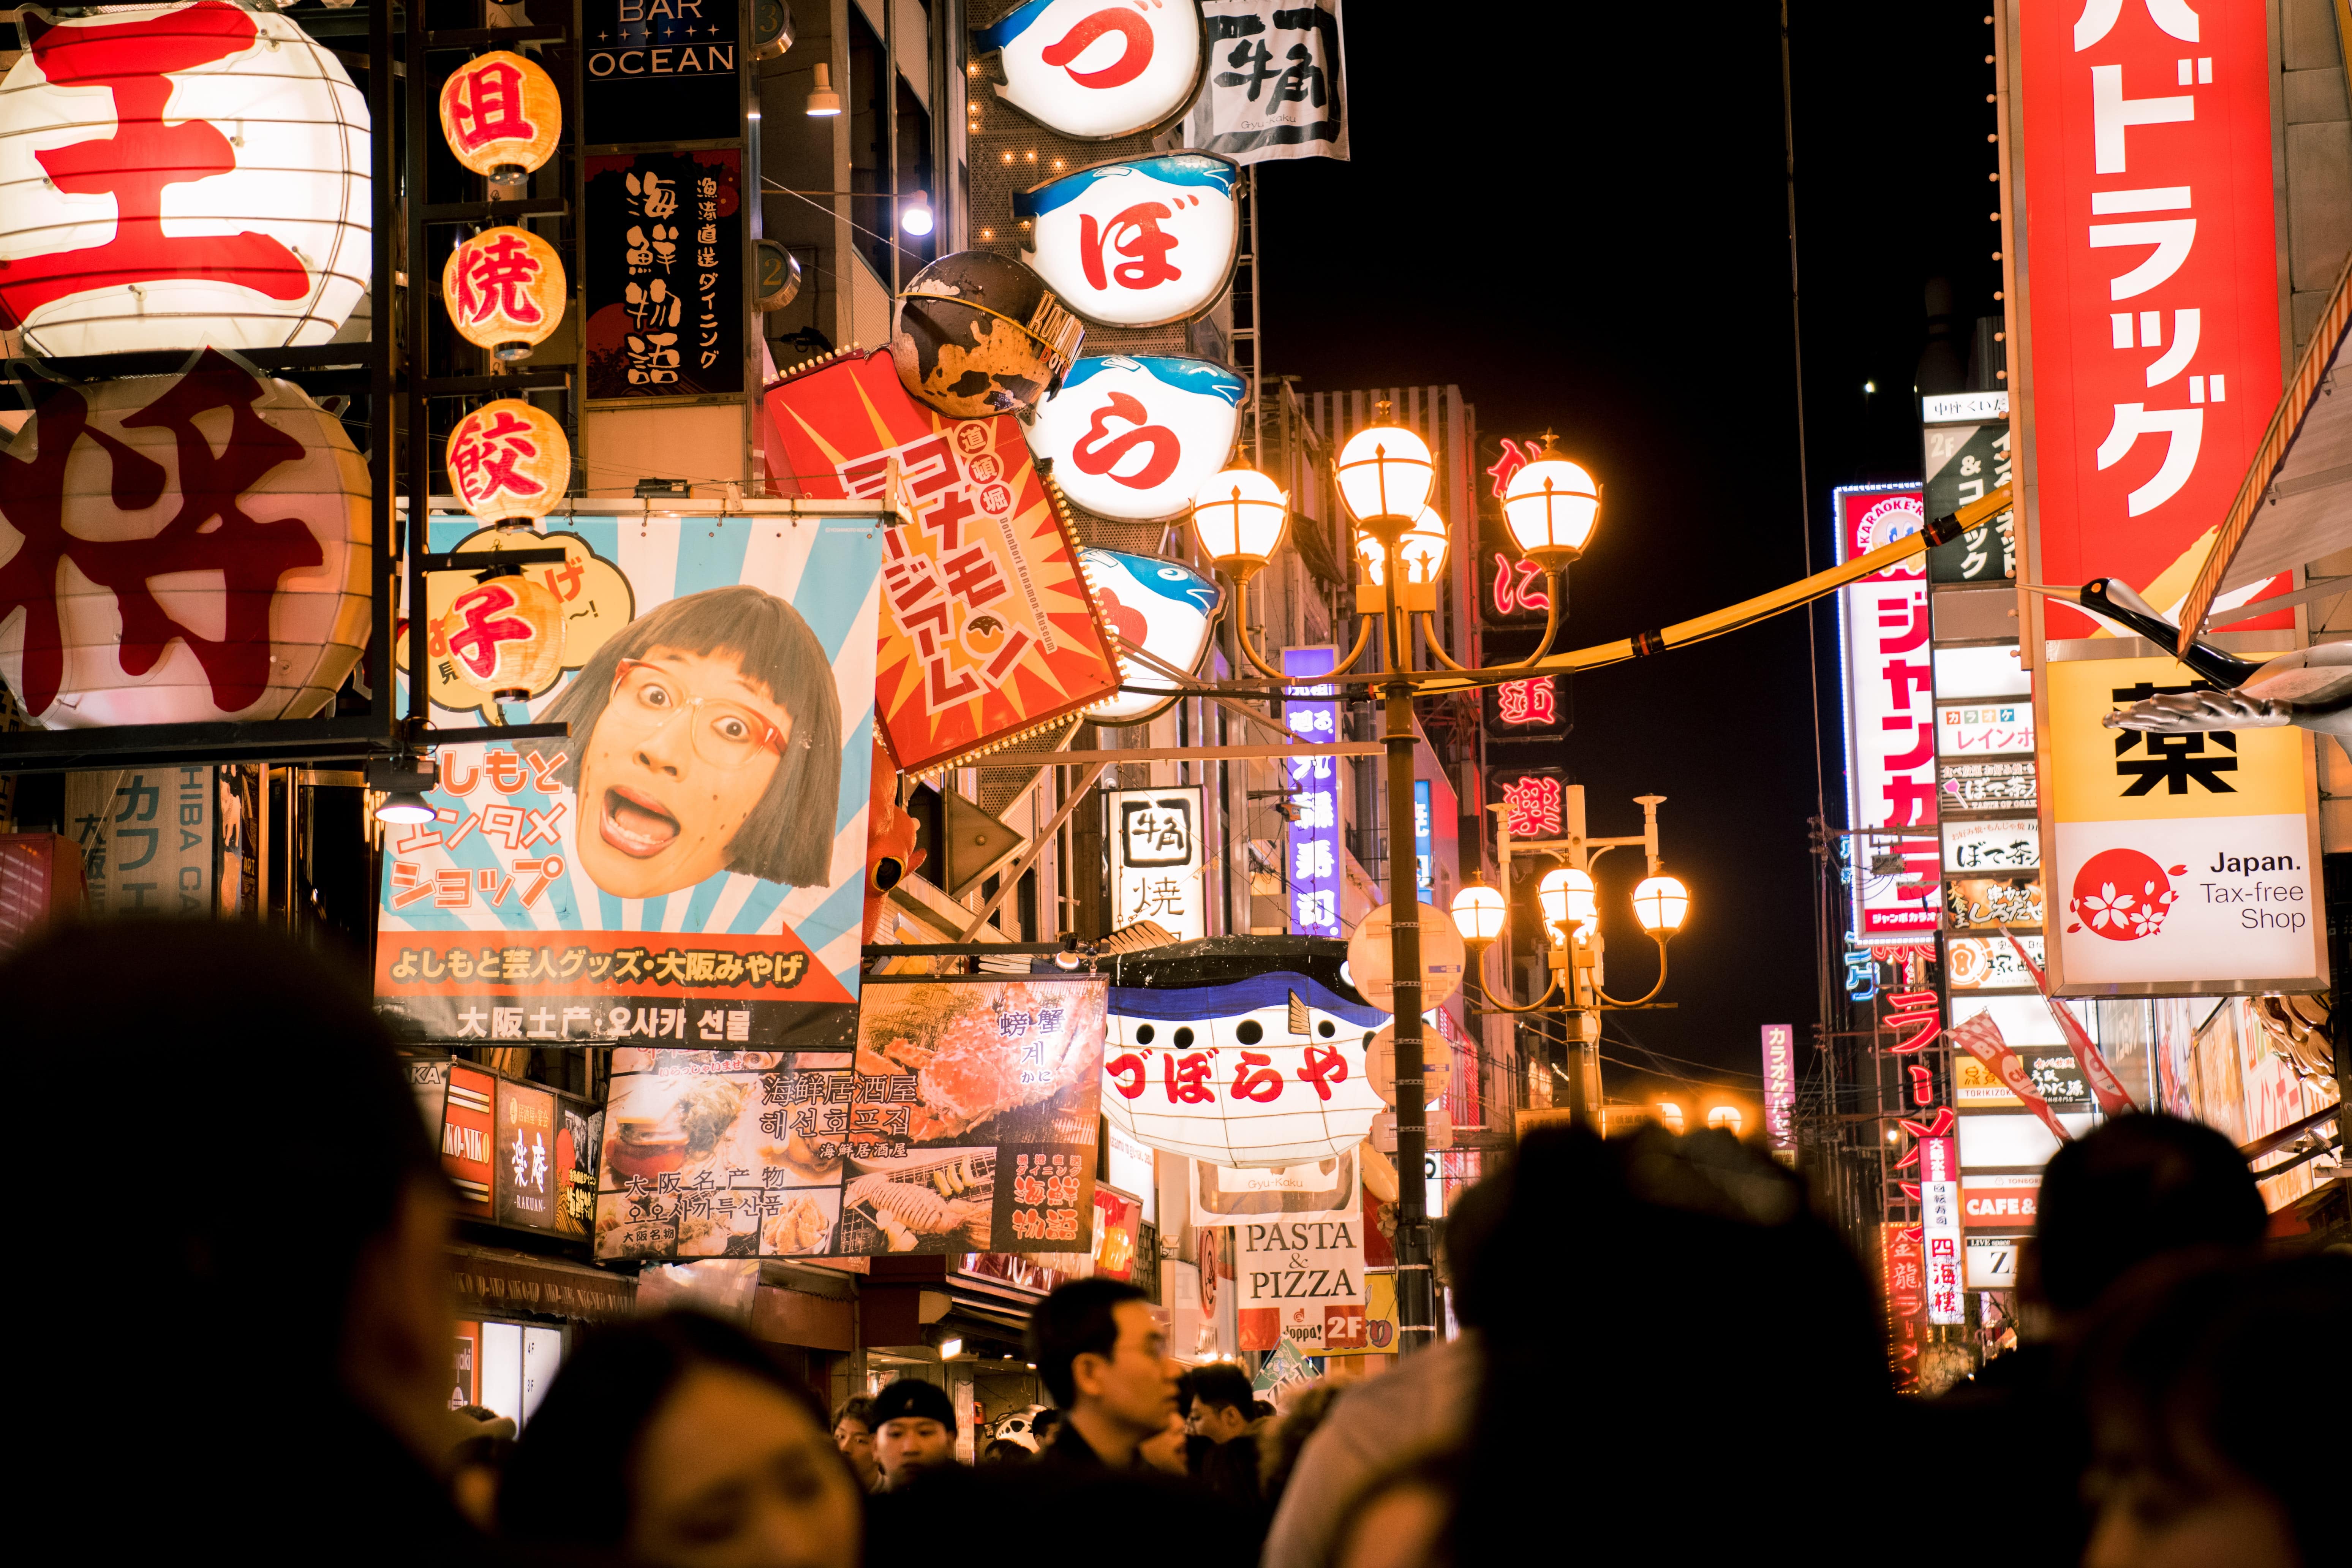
{"points": [[485, 103], [483, 462], [1099, 451], [1526, 701], [132, 62], [1187, 1078], [1535, 804], [1325, 1066], [1121, 1068], [1135, 234], [1256, 1079], [493, 280], [487, 624]]}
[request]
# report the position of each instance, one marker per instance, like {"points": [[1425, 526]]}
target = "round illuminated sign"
{"points": [[1160, 606], [502, 115], [509, 459], [1133, 438], [181, 176], [1371, 958], [505, 635], [504, 290], [1095, 68], [1138, 242]]}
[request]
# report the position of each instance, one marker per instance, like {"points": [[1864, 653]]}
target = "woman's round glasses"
{"points": [[725, 734]]}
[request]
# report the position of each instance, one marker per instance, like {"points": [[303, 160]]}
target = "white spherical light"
{"points": [[1384, 470]]}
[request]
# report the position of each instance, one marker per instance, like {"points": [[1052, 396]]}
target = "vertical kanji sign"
{"points": [[665, 275], [1156, 859], [1312, 840], [1890, 720]]}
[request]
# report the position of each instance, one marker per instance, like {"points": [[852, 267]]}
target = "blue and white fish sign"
{"points": [[1098, 69], [1164, 608], [1135, 242], [1133, 438]]}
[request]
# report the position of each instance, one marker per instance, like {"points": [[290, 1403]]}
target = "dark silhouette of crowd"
{"points": [[1664, 1347]]}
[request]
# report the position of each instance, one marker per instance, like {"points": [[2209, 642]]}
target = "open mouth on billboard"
{"points": [[635, 825]]}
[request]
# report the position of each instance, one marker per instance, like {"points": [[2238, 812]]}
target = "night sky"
{"points": [[1579, 216]]}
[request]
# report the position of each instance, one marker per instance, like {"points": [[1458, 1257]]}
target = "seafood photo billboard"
{"points": [[964, 1120]]}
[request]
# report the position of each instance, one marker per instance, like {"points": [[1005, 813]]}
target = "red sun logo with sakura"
{"points": [[2122, 895]]}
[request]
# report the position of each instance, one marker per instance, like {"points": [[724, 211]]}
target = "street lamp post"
{"points": [[1384, 475]]}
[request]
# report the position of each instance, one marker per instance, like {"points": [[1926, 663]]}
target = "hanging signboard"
{"points": [[964, 1120], [1300, 1283], [469, 1140], [1097, 71], [1890, 716], [1166, 609], [987, 628], [141, 215], [1134, 437], [1779, 1085], [1965, 731], [1312, 835], [1264, 1071], [1965, 462], [664, 255], [660, 69], [688, 866], [1978, 788], [2000, 845], [1136, 242], [1536, 800], [1318, 1190], [1940, 1227], [528, 1185], [2183, 863], [1155, 858], [1982, 963], [146, 838], [1276, 85]]}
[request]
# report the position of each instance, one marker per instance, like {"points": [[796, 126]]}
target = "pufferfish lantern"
{"points": [[1162, 607], [980, 334]]}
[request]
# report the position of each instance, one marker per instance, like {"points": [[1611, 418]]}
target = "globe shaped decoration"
{"points": [[502, 115], [980, 334], [180, 176], [508, 460], [182, 548], [504, 290]]}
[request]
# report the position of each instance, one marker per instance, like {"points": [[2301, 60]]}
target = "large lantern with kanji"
{"points": [[505, 633], [179, 176], [509, 461], [180, 549], [504, 290], [502, 115]]}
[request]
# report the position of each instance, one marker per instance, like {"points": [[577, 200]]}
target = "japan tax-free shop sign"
{"points": [[686, 868]]}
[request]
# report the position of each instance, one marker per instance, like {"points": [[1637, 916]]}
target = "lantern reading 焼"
{"points": [[504, 290], [502, 115], [509, 461], [180, 549], [179, 176]]}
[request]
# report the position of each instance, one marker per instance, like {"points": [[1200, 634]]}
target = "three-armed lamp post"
{"points": [[1385, 475]]}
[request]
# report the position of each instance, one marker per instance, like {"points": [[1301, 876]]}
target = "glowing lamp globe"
{"points": [[504, 289], [1384, 473], [1478, 913], [1551, 505], [1670, 1116], [177, 177], [1726, 1117], [1239, 515], [1567, 894], [502, 115], [1660, 903], [508, 460], [182, 548], [505, 635]]}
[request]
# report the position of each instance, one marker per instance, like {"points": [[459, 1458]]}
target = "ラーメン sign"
{"points": [[1096, 69], [139, 213], [1133, 438], [1136, 242]]}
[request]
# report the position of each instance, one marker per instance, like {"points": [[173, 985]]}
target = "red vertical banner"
{"points": [[1904, 1280], [468, 1140], [2152, 282]]}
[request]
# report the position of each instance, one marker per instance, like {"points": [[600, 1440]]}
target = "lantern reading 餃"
{"points": [[502, 115], [508, 460], [506, 634], [504, 290]]}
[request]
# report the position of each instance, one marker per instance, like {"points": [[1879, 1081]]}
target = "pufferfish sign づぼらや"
{"points": [[1133, 436], [1135, 242], [1160, 606], [1098, 69]]}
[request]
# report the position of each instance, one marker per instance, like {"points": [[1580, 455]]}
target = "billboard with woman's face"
{"points": [[688, 867]]}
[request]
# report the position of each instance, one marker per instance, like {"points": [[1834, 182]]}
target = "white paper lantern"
{"points": [[173, 176], [1135, 242], [176, 549], [1133, 436]]}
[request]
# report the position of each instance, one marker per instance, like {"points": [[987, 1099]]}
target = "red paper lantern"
{"points": [[502, 115], [505, 635], [508, 460], [504, 290]]}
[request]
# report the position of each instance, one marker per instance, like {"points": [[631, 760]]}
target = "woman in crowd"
{"points": [[679, 1443]]}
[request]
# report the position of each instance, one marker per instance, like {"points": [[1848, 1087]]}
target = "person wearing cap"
{"points": [[914, 1431]]}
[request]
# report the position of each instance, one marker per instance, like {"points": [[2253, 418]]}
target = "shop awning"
{"points": [[492, 1282], [2295, 504]]}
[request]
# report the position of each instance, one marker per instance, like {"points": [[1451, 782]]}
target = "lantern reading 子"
{"points": [[504, 290], [177, 549], [505, 635], [508, 460], [178, 176], [502, 115]]}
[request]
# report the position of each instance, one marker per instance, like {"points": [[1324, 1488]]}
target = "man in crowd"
{"points": [[1225, 1414], [914, 1428], [853, 1433], [1102, 1355]]}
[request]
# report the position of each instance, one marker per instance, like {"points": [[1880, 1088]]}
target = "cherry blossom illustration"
{"points": [[2122, 895]]}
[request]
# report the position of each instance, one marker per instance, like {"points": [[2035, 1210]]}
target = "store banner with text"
{"points": [[1890, 718], [964, 1120], [665, 264], [1301, 1284], [687, 868]]}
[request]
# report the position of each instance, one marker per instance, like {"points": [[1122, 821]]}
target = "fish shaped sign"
{"points": [[1135, 242], [1160, 606], [1098, 69], [1134, 437]]}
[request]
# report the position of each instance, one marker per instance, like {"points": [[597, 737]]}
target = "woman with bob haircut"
{"points": [[706, 738]]}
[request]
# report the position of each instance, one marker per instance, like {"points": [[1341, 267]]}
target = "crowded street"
{"points": [[882, 782]]}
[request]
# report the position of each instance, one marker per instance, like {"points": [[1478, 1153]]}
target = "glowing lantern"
{"points": [[506, 634], [182, 548], [181, 176], [508, 460], [504, 290], [502, 115]]}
